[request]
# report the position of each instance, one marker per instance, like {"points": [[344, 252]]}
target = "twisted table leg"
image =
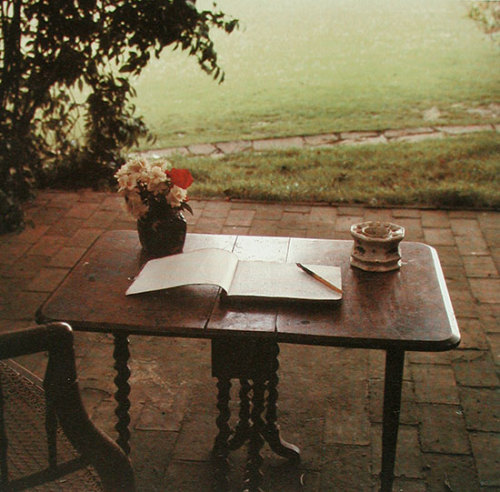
{"points": [[220, 450], [4, 469], [242, 430], [121, 355], [253, 477], [271, 429]]}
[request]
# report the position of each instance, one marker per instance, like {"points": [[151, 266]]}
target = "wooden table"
{"points": [[405, 310]]}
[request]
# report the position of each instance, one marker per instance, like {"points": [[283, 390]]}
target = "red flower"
{"points": [[181, 178]]}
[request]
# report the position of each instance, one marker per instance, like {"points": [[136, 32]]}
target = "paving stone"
{"points": [[23, 306], [439, 237], [463, 214], [189, 476], [272, 212], [202, 149], [323, 215], [30, 234], [408, 131], [101, 219], [209, 225], [494, 345], [48, 246], [48, 279], [165, 411], [435, 384], [410, 411], [347, 468], [406, 212], [82, 210], [451, 473], [240, 218], [461, 130], [486, 458], [349, 210], [291, 220], [488, 220], [264, 228], [278, 143], [486, 289], [320, 231], [234, 147], [435, 219], [380, 139], [61, 198], [481, 408], [236, 230], [11, 252], [472, 335], [443, 429], [27, 267], [378, 215], [218, 213], [454, 272], [465, 227], [65, 227], [449, 255], [322, 140], [150, 455], [344, 223], [409, 462], [480, 266], [299, 209], [440, 358], [346, 419], [358, 135], [472, 245], [83, 238], [113, 202], [475, 369], [419, 137]]}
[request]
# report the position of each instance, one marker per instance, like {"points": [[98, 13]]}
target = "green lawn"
{"points": [[300, 67]]}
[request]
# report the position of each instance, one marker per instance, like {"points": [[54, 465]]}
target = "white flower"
{"points": [[176, 196], [127, 182], [135, 205]]}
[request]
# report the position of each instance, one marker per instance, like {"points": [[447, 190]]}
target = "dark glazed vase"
{"points": [[162, 234]]}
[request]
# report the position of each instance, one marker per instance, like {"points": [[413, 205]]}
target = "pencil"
{"points": [[319, 279]]}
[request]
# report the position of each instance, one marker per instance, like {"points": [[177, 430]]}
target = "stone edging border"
{"points": [[325, 140]]}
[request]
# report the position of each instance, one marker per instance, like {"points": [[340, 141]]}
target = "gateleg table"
{"points": [[399, 311]]}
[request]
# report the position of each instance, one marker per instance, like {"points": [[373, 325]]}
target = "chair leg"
{"points": [[4, 470], [51, 429]]}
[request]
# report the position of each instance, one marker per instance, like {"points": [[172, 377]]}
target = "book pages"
{"points": [[205, 266], [284, 280]]}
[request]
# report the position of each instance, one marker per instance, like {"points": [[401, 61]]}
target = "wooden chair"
{"points": [[35, 452]]}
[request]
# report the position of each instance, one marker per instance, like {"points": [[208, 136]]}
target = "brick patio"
{"points": [[449, 437]]}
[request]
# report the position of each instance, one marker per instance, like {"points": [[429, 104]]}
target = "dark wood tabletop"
{"points": [[407, 309]]}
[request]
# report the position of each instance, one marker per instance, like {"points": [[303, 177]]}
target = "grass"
{"points": [[298, 68], [453, 172]]}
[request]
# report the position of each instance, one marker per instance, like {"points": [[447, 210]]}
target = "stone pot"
{"points": [[376, 246]]}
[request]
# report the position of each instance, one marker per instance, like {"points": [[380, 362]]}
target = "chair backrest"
{"points": [[46, 437]]}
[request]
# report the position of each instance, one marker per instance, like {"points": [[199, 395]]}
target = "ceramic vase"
{"points": [[162, 234], [376, 246]]}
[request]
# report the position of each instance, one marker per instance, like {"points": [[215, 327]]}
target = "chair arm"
{"points": [[61, 387]]}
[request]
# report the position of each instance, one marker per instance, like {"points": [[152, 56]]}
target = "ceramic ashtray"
{"points": [[376, 246]]}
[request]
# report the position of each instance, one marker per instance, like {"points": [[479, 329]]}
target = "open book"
{"points": [[239, 279]]}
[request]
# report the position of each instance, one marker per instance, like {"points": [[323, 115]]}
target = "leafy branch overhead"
{"points": [[54, 51]]}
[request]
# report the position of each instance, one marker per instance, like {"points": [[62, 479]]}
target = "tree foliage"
{"points": [[52, 51]]}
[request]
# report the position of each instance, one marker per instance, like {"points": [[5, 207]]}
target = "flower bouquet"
{"points": [[156, 194]]}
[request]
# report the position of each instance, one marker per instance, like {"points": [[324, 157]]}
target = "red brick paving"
{"points": [[329, 398]]}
